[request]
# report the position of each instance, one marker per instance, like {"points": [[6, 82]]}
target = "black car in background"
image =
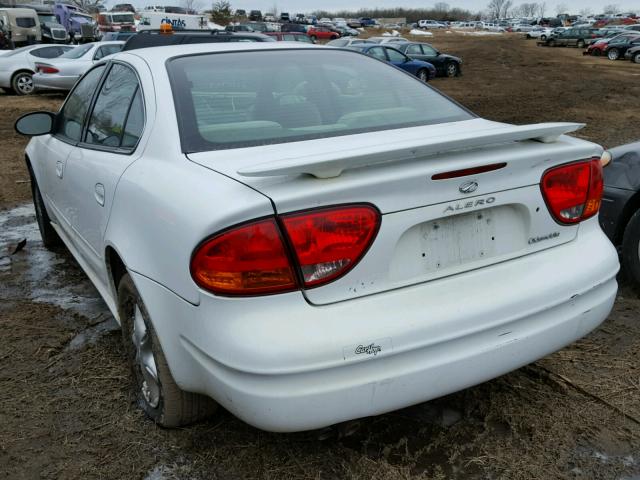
{"points": [[255, 15], [633, 54], [617, 48], [446, 65], [620, 209]]}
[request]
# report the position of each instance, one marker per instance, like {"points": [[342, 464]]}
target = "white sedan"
{"points": [[307, 235], [63, 72], [18, 66]]}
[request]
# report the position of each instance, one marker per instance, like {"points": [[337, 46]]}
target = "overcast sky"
{"points": [[302, 6]]}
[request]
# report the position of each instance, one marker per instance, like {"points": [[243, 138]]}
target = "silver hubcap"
{"points": [[144, 357], [25, 84], [452, 70], [423, 76]]}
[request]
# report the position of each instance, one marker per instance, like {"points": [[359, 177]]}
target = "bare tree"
{"points": [[542, 8], [499, 8], [191, 5], [611, 9], [561, 8], [586, 12], [441, 7], [275, 10], [527, 10]]}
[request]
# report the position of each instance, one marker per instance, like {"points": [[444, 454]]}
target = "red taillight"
{"points": [[46, 69], [329, 242], [573, 192], [248, 260], [252, 259]]}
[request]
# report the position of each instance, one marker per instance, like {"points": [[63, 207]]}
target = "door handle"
{"points": [[59, 169], [99, 194]]}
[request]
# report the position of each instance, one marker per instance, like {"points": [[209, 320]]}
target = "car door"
{"points": [[379, 53], [54, 150], [415, 51], [399, 59], [431, 55], [108, 146]]}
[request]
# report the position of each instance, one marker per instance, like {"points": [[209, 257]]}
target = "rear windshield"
{"points": [[123, 17], [78, 51], [242, 99]]}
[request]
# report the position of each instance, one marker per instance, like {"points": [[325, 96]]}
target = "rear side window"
{"points": [[71, 117], [25, 22], [107, 124], [240, 99], [107, 50]]}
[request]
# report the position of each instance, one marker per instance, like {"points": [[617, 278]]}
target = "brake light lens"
{"points": [[248, 260], [46, 69], [253, 259], [329, 242], [573, 192]]}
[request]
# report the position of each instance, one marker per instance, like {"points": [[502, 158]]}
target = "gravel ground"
{"points": [[65, 405]]}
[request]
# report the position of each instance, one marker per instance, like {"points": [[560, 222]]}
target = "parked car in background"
{"points": [[430, 24], [117, 36], [573, 37], [635, 28], [284, 17], [379, 245], [255, 15], [423, 70], [269, 17], [541, 33], [598, 47], [389, 39], [239, 28], [293, 27], [18, 66], [346, 31], [289, 37], [446, 65], [620, 210], [633, 54], [52, 31], [61, 73], [617, 47], [157, 38], [321, 32], [21, 26], [345, 42]]}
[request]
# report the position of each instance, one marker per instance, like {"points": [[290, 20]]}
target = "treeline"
{"points": [[411, 14]]}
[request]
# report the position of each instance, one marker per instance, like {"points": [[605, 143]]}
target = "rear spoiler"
{"points": [[332, 164]]}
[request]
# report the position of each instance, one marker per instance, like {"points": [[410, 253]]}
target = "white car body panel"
{"points": [[70, 69], [19, 61], [290, 361]]}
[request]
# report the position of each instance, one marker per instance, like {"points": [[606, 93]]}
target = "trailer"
{"points": [[178, 21]]}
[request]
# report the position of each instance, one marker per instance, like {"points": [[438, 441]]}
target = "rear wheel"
{"points": [[543, 37], [631, 249], [552, 43], [22, 83], [613, 54], [423, 75], [156, 390], [581, 43], [314, 38], [636, 58], [451, 69], [50, 238]]}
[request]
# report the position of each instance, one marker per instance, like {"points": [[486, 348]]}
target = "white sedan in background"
{"points": [[308, 235], [18, 66], [63, 72]]}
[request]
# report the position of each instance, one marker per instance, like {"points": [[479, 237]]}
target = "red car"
{"points": [[322, 33], [599, 47]]}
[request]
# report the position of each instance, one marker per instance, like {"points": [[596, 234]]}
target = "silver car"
{"points": [[63, 72], [18, 66]]}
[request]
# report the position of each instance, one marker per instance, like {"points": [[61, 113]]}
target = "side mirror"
{"points": [[35, 124]]}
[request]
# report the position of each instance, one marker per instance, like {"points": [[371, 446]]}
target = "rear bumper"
{"points": [[283, 365], [54, 82]]}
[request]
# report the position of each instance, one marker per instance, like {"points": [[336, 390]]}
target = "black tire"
{"points": [[22, 83], [314, 38], [613, 54], [596, 52], [50, 238], [580, 43], [543, 37], [636, 58], [552, 43], [631, 249], [174, 407], [423, 74], [451, 69]]}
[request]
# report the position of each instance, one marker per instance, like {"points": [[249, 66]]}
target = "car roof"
{"points": [[160, 54]]}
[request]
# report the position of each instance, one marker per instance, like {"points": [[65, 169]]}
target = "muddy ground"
{"points": [[65, 405]]}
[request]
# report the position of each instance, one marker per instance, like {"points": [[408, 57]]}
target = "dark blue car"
{"points": [[423, 70]]}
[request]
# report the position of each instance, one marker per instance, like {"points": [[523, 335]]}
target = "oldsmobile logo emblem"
{"points": [[468, 187]]}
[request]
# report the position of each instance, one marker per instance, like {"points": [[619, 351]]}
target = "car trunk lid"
{"points": [[431, 228]]}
